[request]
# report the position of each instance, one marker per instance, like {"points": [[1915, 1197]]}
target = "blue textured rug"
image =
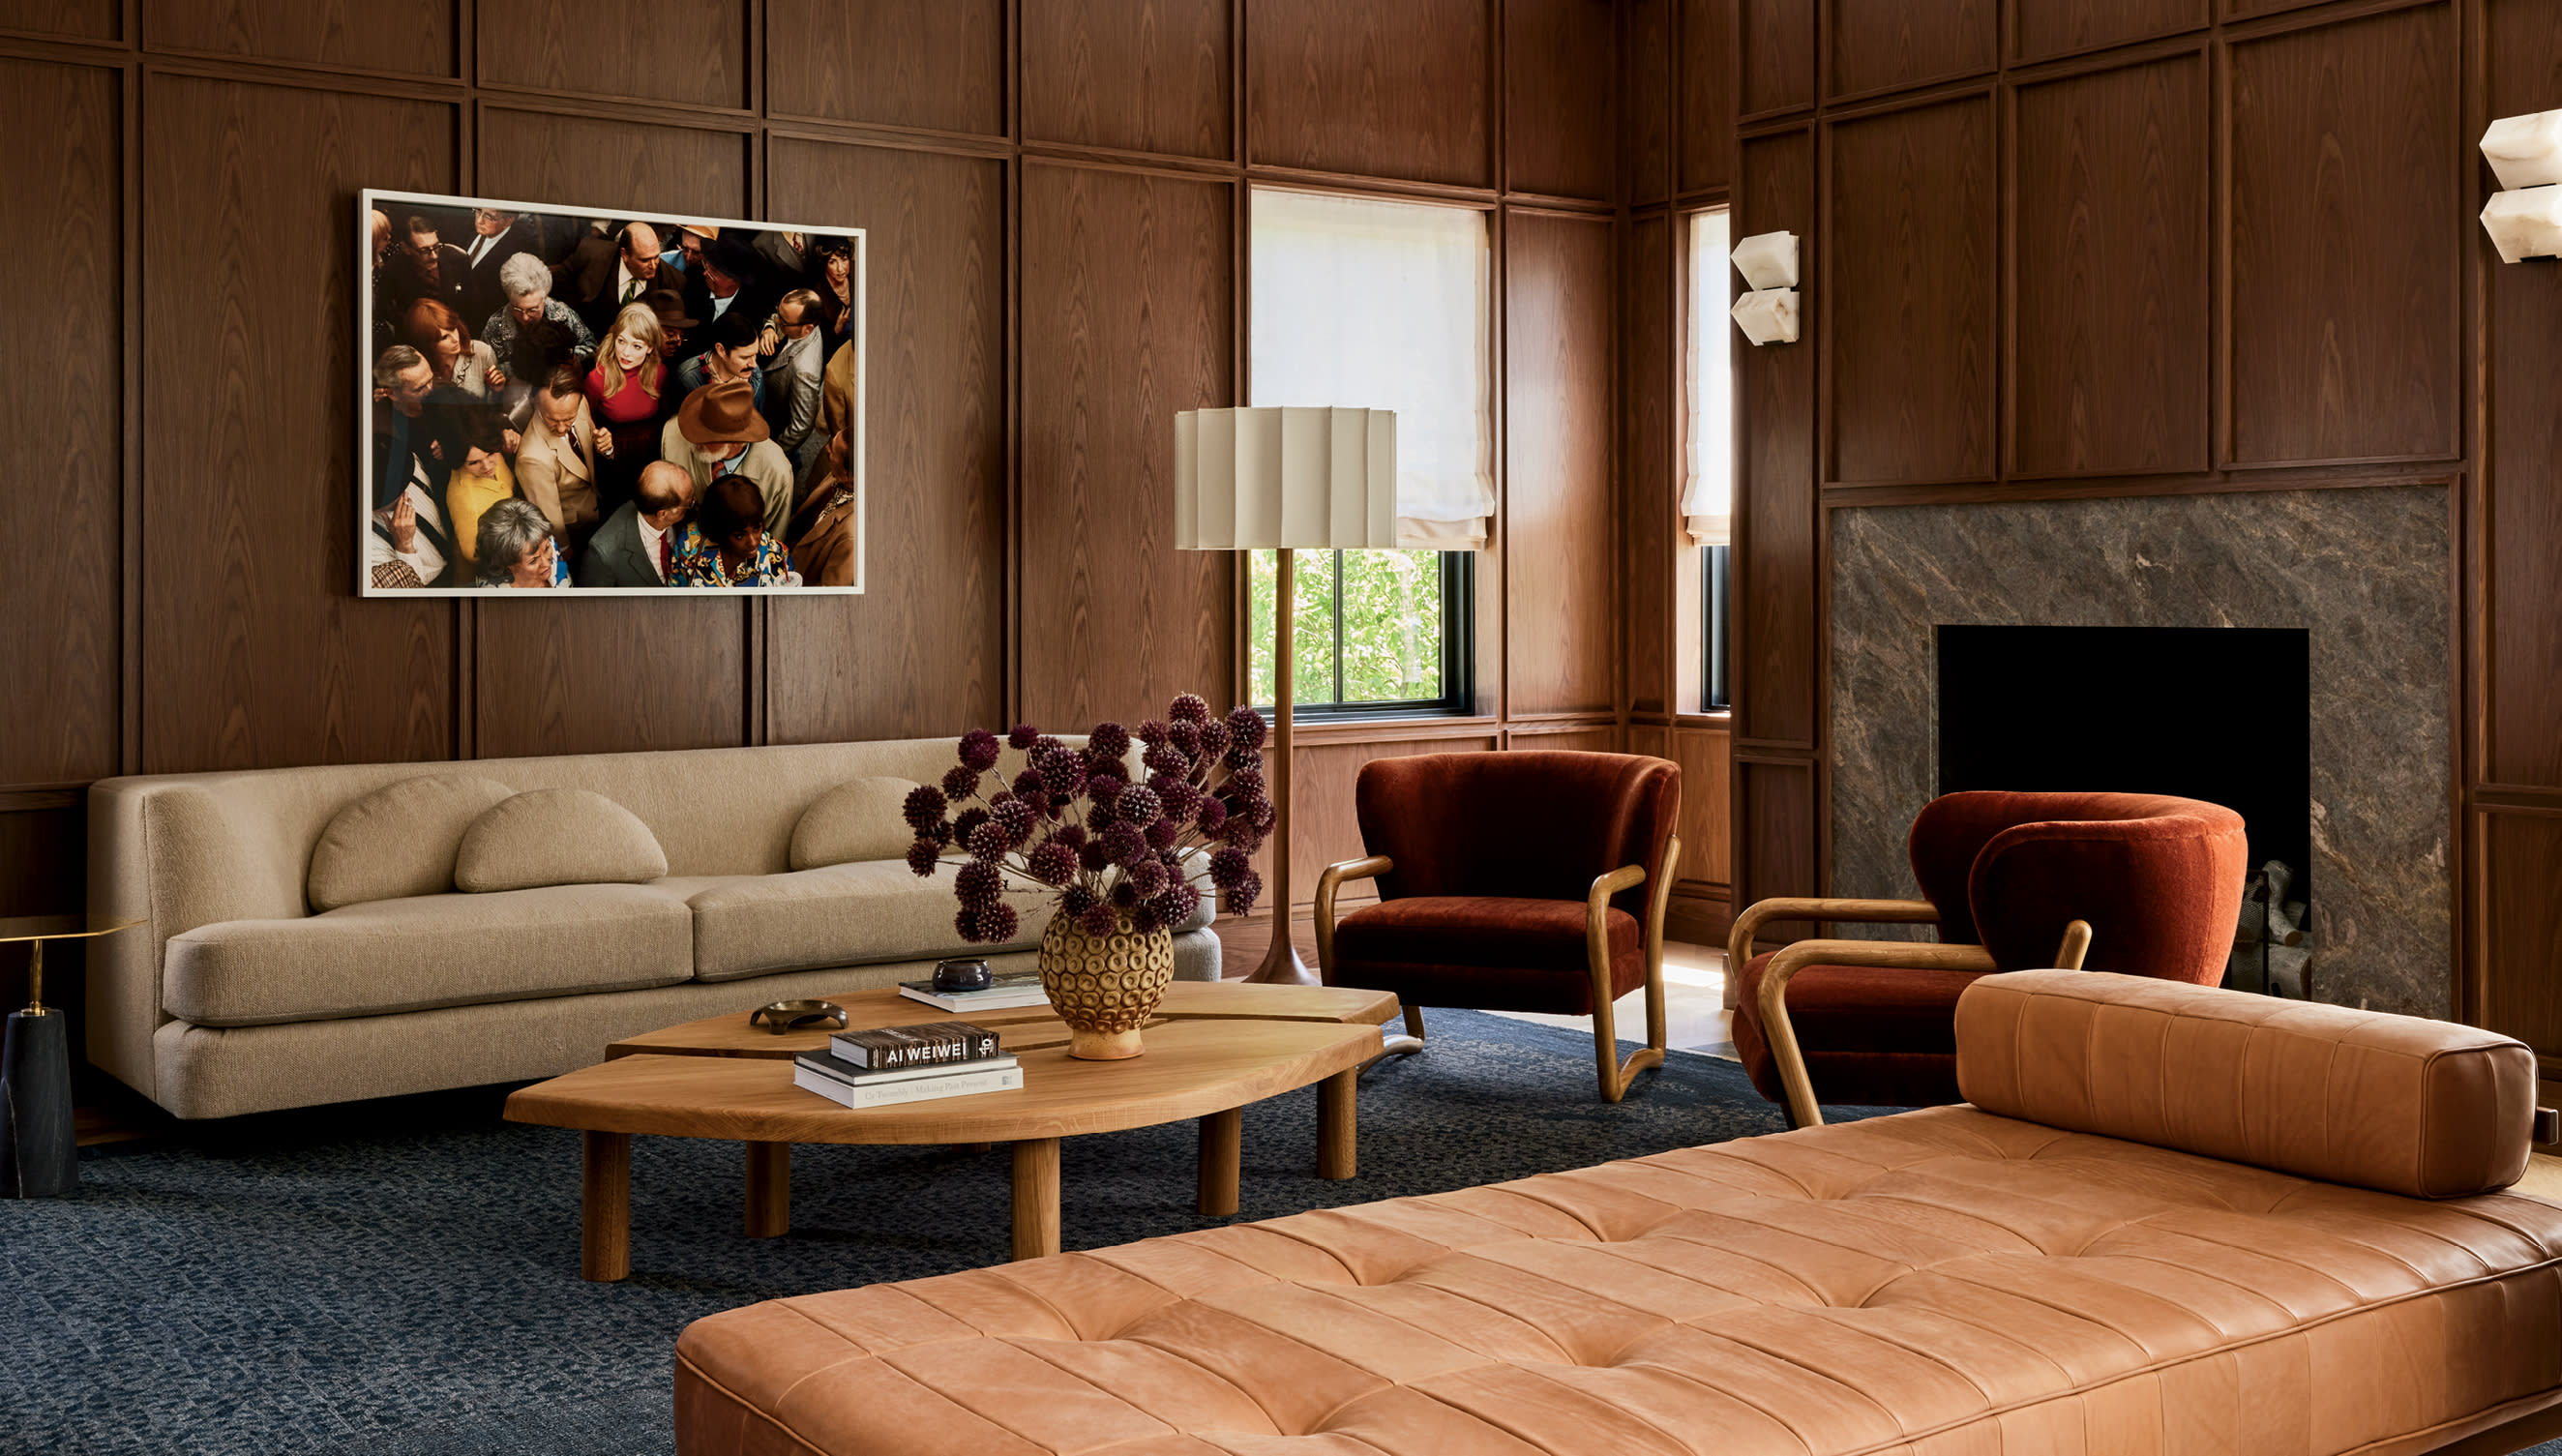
{"points": [[401, 1278]]}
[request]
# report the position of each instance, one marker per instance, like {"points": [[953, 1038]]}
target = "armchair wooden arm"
{"points": [[1788, 960], [1328, 884], [1617, 1074], [1738, 939]]}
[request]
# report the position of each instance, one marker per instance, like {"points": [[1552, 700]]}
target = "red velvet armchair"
{"points": [[2136, 883], [1512, 882]]}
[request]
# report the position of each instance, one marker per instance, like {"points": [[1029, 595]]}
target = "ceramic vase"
{"points": [[1104, 986]]}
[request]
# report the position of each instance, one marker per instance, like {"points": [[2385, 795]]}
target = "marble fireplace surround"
{"points": [[2364, 570]]}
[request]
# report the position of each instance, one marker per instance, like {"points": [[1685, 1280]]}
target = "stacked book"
{"points": [[1018, 989], [907, 1064]]}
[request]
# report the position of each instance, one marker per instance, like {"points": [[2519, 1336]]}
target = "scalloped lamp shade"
{"points": [[1250, 478]]}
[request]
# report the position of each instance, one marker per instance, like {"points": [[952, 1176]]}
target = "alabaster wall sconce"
{"points": [[1769, 262], [2526, 218]]}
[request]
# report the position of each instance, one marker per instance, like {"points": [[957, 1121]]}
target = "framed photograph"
{"points": [[605, 402]]}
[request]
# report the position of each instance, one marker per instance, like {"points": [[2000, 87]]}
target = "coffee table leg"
{"points": [[605, 1207], [1035, 1197], [1338, 1148], [769, 1189], [1222, 1137]]}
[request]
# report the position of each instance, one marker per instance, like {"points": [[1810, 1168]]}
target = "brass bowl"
{"points": [[794, 1016]]}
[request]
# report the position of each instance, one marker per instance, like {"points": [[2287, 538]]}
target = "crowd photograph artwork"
{"points": [[562, 399]]}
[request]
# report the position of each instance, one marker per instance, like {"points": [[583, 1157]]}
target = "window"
{"points": [[1385, 305], [1707, 495]]}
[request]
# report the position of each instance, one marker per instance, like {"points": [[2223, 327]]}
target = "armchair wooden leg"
{"points": [[1406, 1044]]}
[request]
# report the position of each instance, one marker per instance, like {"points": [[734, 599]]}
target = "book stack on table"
{"points": [[907, 1064]]}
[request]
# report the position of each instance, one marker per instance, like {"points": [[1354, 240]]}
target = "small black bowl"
{"points": [[962, 974]]}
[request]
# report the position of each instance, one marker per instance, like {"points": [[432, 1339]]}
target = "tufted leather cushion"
{"points": [[556, 837], [1504, 955], [2401, 1104], [1940, 1282], [1872, 1035]]}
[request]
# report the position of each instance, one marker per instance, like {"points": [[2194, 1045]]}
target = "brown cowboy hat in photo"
{"points": [[670, 306], [718, 414]]}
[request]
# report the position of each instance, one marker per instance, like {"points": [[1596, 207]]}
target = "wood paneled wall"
{"points": [[1057, 199], [2059, 249]]}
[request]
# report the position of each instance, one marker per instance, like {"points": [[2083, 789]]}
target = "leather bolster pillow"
{"points": [[2399, 1104]]}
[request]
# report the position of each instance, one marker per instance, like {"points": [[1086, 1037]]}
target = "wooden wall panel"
{"points": [[1151, 76], [405, 39], [1885, 45], [77, 20], [1560, 113], [935, 65], [2521, 984], [262, 655], [44, 871], [1707, 830], [1127, 298], [1646, 126], [1649, 471], [922, 650], [1776, 808], [1774, 56], [690, 52], [66, 461], [1560, 300], [1775, 555], [2521, 530], [1390, 88], [1707, 77], [604, 675], [2344, 329], [2108, 316], [2042, 29], [1325, 827], [1911, 222]]}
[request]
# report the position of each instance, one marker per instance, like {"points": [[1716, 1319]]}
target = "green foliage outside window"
{"points": [[1384, 646]]}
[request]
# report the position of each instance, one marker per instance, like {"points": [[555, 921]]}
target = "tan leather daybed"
{"points": [[2173, 1221]]}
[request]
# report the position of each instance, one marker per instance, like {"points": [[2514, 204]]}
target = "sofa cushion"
{"points": [[836, 915], [399, 840], [860, 818], [429, 951], [556, 837]]}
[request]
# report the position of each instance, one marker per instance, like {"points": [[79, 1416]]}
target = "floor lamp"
{"points": [[1284, 480]]}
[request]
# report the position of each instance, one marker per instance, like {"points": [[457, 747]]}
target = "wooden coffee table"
{"points": [[1217, 1048]]}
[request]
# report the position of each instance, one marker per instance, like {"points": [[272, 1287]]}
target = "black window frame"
{"points": [[1716, 585], [1458, 654]]}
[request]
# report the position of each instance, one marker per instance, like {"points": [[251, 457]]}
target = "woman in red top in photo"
{"points": [[629, 391]]}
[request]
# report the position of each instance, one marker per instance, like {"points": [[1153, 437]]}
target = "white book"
{"points": [[917, 1089], [1022, 989], [838, 1070]]}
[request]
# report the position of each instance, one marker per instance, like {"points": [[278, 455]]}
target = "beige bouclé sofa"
{"points": [[239, 997]]}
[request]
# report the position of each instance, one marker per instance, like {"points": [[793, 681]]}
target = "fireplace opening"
{"points": [[2215, 713]]}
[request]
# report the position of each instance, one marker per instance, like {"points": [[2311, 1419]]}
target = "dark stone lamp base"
{"points": [[39, 1154]]}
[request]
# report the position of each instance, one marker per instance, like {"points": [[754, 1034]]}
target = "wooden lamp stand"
{"points": [[1281, 964]]}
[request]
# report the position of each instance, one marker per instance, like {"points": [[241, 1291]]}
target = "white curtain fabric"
{"points": [[1384, 304], [1708, 486]]}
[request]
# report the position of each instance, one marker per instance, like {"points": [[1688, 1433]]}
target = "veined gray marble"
{"points": [[2364, 570]]}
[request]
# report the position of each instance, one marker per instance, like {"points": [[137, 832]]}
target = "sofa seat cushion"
{"points": [[429, 951], [835, 915], [1492, 952], [1939, 1281], [1872, 1035]]}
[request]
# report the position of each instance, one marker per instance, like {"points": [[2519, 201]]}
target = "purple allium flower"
{"points": [[1241, 831], [1188, 708], [924, 808], [1077, 901], [1238, 756], [1267, 815], [1229, 867], [1123, 896], [1102, 920], [1162, 833], [1136, 806], [1153, 731], [1178, 903], [1143, 918], [1246, 782], [990, 841], [1103, 793], [960, 782], [1016, 820], [1165, 758], [1094, 854], [1108, 740], [1048, 743], [1245, 728], [978, 886], [965, 921], [1213, 741], [998, 922], [1025, 735], [1122, 844], [967, 825], [923, 856], [1184, 739], [1243, 897], [943, 832], [1071, 835], [1054, 864], [1211, 816], [1028, 782], [1146, 879], [979, 749], [1178, 796]]}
